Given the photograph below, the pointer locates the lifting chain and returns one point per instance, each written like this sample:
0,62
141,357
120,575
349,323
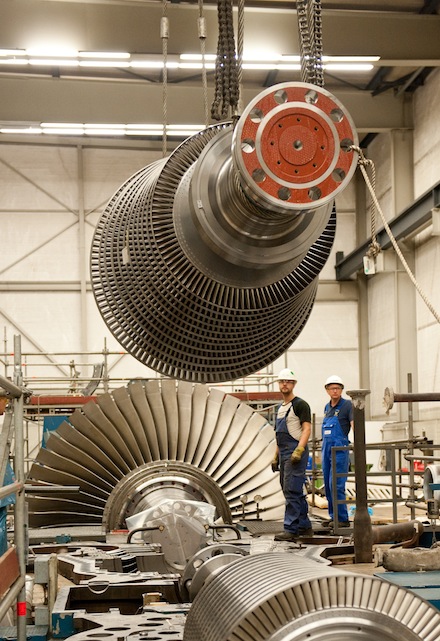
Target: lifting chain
310,41
226,94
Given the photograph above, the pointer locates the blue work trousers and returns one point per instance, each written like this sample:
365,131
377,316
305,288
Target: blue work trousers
332,435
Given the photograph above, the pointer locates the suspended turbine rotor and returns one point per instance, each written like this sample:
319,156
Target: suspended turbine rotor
205,264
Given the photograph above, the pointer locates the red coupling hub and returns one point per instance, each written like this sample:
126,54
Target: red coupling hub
293,147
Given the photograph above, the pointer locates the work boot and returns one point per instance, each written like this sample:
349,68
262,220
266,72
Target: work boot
305,531
340,524
286,536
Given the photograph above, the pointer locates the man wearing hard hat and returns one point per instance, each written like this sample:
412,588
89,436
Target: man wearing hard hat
292,429
337,422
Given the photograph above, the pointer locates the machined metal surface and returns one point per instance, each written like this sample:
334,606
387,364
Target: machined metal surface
117,612
204,265
163,623
152,440
211,557
282,597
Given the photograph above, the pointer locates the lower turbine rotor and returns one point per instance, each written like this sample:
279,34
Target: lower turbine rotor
139,444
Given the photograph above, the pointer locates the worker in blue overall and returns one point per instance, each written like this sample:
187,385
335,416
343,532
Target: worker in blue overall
292,430
336,425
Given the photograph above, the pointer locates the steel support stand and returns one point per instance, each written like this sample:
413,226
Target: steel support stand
362,529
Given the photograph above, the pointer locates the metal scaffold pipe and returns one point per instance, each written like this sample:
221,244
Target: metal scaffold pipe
391,397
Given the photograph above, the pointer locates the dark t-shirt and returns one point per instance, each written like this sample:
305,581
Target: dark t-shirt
344,411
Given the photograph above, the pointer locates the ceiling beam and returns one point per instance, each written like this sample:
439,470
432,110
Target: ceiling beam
32,100
408,222
135,27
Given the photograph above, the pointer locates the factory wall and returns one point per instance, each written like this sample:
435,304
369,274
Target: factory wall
404,334
51,200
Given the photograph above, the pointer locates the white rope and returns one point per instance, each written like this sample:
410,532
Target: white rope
362,163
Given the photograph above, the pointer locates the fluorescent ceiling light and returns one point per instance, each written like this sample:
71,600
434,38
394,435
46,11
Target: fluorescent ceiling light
197,56
104,63
64,131
350,58
12,52
193,127
48,125
104,54
183,132
20,130
101,129
104,132
196,65
268,66
140,127
13,61
341,66
114,59
42,52
54,62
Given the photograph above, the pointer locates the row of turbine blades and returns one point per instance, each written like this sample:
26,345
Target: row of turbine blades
147,422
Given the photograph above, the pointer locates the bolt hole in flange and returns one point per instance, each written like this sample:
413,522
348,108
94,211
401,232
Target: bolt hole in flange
284,193
314,193
311,97
248,145
280,97
337,115
346,144
256,115
338,174
258,175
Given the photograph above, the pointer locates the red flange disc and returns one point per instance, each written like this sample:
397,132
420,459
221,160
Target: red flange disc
292,146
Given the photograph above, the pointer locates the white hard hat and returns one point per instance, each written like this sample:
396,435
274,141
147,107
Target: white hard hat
286,374
336,380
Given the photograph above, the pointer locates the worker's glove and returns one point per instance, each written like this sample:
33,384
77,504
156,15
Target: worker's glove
275,464
295,457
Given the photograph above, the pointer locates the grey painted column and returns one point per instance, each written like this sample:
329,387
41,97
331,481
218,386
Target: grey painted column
362,529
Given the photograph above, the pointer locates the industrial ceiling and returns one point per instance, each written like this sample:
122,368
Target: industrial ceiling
405,35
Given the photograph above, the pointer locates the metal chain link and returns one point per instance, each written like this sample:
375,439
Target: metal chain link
310,41
226,80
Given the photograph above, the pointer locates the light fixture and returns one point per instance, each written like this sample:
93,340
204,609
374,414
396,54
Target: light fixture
104,63
53,62
251,61
124,55
101,129
347,66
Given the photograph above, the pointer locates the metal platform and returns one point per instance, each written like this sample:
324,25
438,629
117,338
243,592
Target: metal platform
255,527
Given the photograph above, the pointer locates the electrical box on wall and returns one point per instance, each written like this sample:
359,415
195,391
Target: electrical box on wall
385,261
